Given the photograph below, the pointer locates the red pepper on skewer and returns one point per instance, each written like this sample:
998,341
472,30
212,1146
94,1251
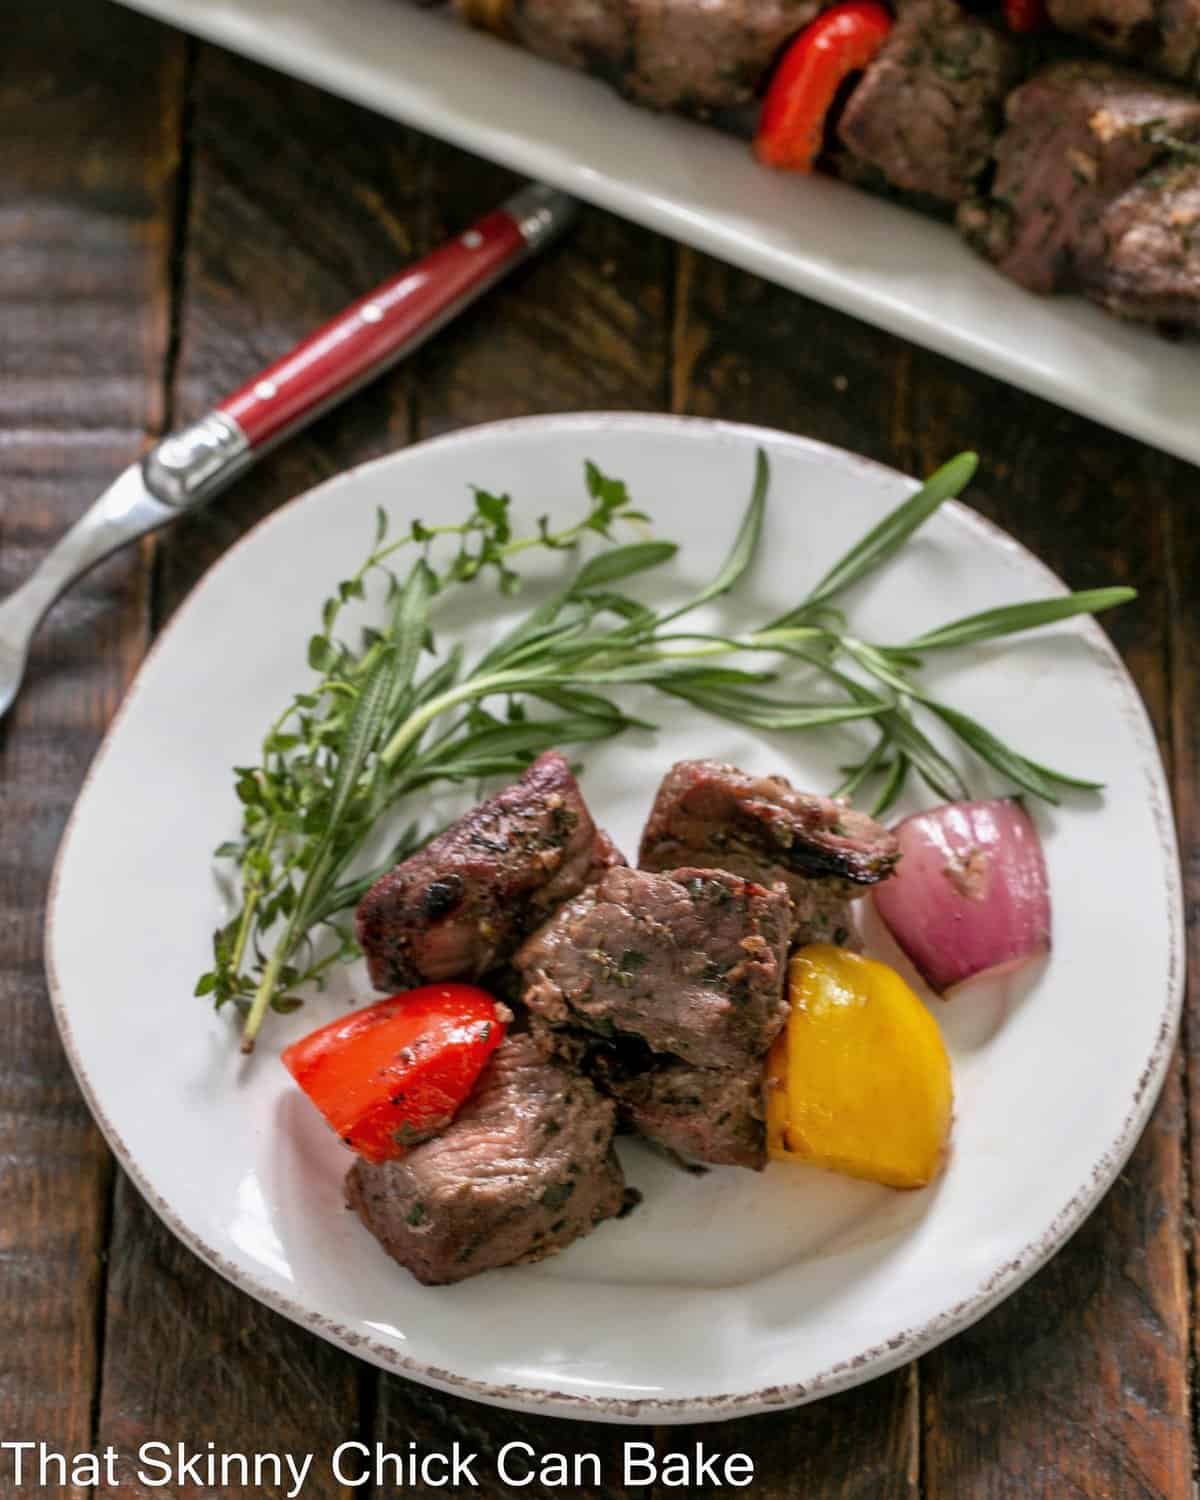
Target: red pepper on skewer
841,41
1026,16
396,1072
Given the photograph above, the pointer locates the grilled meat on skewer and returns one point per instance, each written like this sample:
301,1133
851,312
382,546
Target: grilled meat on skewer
1078,137
691,962
712,55
760,827
929,107
695,56
1149,266
525,1168
591,35
1161,35
461,905
713,1115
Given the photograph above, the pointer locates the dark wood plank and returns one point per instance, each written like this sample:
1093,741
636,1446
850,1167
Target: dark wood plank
90,126
583,328
1079,1384
748,351
297,204
1183,598
827,1451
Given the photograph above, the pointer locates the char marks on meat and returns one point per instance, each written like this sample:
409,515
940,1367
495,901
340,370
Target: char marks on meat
692,962
461,905
1149,264
1162,35
526,1167
930,105
1078,136
699,57
710,814
714,1115
592,35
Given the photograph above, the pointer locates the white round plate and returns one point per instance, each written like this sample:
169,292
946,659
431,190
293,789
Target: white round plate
729,1293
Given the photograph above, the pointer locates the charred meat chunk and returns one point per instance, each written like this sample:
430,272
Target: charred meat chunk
713,815
698,58
931,104
701,55
1079,135
713,1115
461,905
591,35
526,1167
692,962
1149,264
1162,35
823,912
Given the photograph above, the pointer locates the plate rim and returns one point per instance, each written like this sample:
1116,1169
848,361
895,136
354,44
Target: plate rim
869,1363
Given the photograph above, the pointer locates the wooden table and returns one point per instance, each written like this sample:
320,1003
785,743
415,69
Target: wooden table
171,218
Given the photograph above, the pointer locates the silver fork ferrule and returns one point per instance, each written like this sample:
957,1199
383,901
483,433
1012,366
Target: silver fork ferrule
191,465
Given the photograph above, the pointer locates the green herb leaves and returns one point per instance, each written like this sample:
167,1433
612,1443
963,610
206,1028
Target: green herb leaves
1012,618
390,716
886,539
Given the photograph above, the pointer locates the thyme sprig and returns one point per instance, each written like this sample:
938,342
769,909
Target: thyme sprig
374,728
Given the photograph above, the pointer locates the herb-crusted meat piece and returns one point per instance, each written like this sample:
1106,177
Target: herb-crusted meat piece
591,35
701,55
931,104
1079,135
526,1167
696,56
461,905
707,808
1149,266
712,815
692,962
714,1115
1162,35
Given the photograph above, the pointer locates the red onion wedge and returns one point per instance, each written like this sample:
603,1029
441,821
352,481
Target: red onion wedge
970,895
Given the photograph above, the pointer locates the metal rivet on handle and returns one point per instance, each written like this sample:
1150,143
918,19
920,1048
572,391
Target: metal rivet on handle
472,239
372,313
266,389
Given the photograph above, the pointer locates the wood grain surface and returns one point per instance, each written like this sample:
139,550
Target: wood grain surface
86,215
171,218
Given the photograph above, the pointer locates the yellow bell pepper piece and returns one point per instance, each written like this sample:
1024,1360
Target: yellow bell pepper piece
859,1080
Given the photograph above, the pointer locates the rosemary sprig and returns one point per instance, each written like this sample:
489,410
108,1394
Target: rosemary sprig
374,729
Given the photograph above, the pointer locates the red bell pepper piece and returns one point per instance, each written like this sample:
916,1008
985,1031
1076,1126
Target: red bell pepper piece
398,1071
1026,16
841,41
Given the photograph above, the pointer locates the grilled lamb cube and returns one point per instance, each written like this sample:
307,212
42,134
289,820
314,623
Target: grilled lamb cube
1162,35
714,1115
712,815
1150,265
526,1167
1079,134
699,57
670,54
930,105
692,962
461,905
592,35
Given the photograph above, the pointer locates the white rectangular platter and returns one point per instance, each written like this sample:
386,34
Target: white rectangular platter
871,259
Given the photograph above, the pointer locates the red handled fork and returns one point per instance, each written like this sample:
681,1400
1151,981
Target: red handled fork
192,465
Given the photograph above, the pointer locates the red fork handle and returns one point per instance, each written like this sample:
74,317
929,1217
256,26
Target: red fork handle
370,335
